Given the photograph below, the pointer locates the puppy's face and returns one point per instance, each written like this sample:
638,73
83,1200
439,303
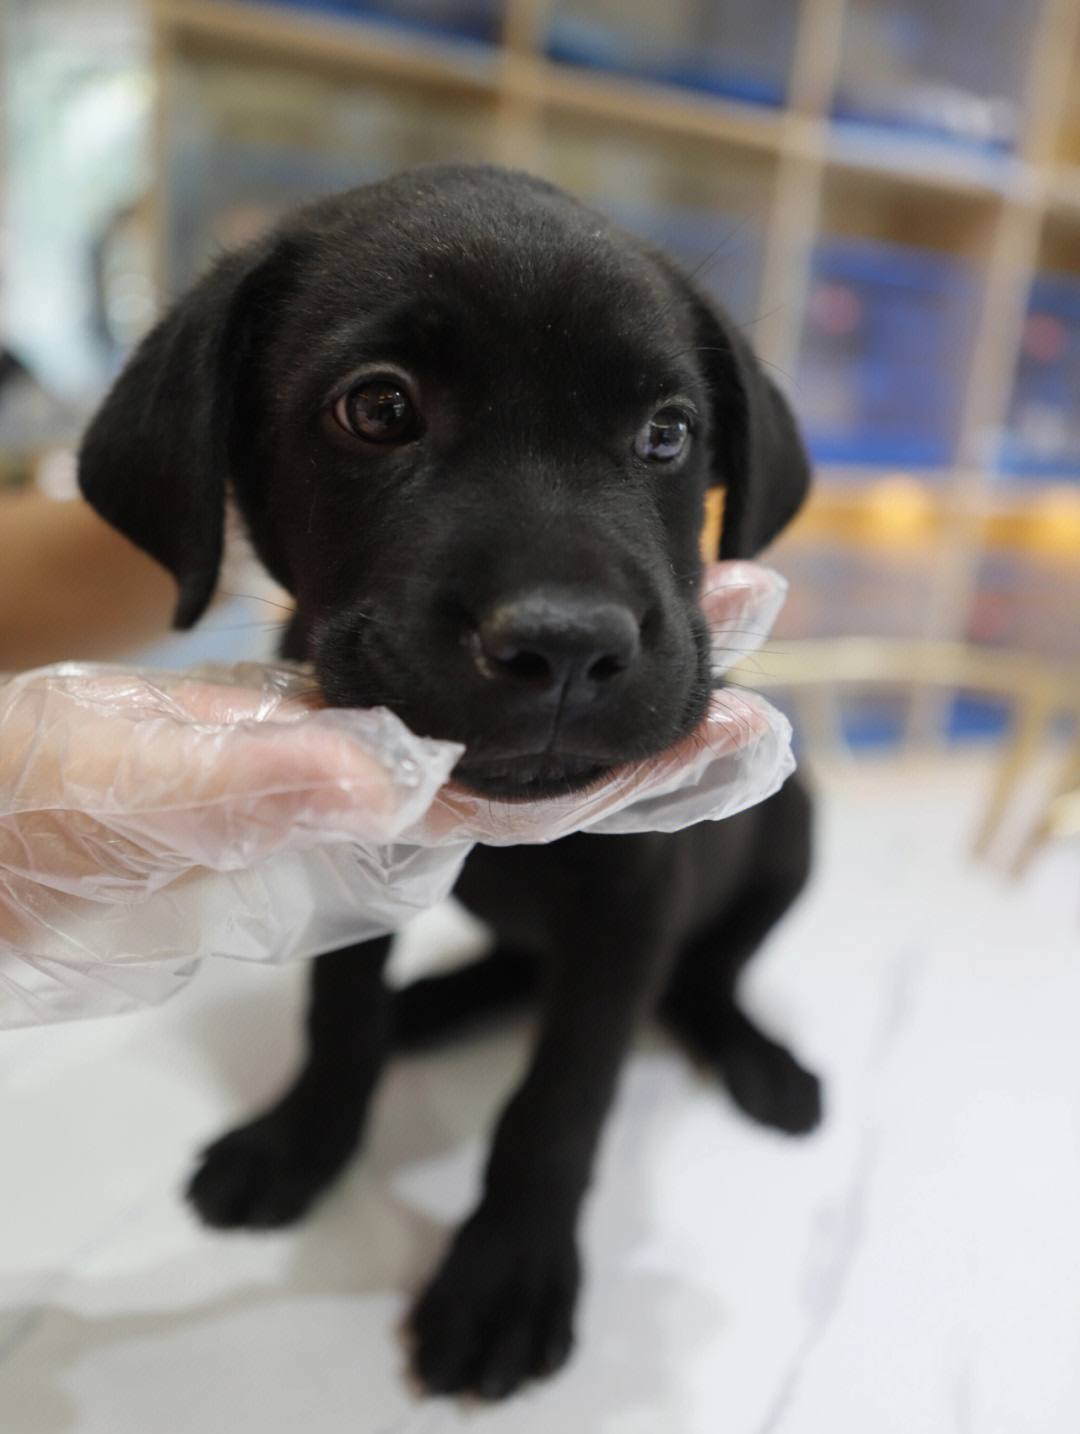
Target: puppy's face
484,482
471,428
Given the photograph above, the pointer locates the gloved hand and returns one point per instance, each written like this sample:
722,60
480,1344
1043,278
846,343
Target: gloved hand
149,820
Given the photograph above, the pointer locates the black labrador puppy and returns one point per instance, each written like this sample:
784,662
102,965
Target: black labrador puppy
470,426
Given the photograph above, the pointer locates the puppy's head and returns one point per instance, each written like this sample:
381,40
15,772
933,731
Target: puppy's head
470,425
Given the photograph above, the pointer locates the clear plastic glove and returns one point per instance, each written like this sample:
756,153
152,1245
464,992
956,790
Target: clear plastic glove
147,819
150,820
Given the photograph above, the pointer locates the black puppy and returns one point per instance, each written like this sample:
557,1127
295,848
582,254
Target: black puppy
470,425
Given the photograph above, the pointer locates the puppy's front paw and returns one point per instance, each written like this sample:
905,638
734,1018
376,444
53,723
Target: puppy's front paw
769,1084
500,1310
267,1173
252,1178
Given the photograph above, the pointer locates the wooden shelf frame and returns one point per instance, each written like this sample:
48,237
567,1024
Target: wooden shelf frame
526,89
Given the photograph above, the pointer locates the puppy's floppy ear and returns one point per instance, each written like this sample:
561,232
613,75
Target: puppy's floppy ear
758,457
155,457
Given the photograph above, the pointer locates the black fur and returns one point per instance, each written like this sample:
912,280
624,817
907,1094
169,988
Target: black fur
516,568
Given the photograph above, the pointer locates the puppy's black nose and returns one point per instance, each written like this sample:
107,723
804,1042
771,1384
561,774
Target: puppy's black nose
555,638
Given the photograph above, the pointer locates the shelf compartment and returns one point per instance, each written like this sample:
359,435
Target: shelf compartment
843,589
347,45
948,72
1042,429
742,49
887,331
477,20
1027,600
708,211
258,141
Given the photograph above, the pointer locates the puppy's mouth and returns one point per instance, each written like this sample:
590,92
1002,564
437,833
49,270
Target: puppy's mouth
529,777
520,745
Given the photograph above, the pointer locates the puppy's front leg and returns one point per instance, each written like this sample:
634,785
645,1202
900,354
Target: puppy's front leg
269,1171
500,1310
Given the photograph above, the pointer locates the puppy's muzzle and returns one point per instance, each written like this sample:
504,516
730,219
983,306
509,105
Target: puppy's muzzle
557,641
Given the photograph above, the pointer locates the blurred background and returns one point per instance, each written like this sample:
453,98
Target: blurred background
886,195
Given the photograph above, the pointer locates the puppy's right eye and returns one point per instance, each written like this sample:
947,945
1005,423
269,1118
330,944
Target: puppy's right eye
379,410
666,436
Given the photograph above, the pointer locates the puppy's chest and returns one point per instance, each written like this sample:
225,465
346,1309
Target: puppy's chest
533,896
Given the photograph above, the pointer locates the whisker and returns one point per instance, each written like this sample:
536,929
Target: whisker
254,626
257,597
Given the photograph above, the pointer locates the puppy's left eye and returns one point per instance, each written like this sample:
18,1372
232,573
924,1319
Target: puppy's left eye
379,410
665,437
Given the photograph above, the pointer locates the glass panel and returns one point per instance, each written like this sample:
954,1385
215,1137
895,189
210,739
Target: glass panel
890,321
741,48
1028,600
952,70
247,143
1042,428
465,19
881,372
706,205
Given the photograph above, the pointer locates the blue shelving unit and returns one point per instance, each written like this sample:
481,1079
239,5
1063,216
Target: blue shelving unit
1042,430
740,50
950,72
476,20
884,353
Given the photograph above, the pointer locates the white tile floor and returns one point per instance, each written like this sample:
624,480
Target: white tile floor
915,1266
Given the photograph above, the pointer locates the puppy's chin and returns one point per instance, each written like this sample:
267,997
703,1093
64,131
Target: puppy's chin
528,778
